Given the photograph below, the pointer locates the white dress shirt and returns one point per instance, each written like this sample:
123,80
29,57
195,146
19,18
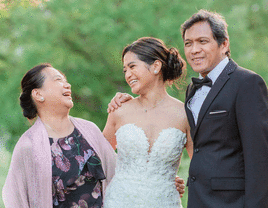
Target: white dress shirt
195,103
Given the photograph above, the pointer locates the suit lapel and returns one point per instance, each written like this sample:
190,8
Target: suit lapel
216,88
190,117
189,94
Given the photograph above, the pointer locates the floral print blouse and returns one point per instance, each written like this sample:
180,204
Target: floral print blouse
76,173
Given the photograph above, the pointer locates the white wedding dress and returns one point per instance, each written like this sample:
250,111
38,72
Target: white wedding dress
145,179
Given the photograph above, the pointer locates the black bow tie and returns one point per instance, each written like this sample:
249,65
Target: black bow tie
198,83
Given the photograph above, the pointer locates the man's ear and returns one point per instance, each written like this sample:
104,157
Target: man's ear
225,46
37,96
157,65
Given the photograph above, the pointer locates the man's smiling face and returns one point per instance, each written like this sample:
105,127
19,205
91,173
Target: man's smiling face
201,49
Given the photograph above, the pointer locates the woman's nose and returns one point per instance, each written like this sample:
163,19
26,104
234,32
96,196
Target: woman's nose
67,85
128,74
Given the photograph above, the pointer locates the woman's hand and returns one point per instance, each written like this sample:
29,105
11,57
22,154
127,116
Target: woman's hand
117,101
179,182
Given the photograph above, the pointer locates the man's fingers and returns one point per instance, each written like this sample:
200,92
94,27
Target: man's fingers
179,180
110,108
117,101
118,94
114,104
181,190
125,97
180,187
121,98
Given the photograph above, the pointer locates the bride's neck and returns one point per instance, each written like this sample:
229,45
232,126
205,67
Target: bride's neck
153,97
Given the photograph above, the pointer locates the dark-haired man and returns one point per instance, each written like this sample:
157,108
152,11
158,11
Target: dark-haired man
227,109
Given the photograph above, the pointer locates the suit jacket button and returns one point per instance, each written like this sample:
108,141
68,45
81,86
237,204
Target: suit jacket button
196,150
193,178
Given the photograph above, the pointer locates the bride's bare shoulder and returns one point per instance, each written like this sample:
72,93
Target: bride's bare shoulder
176,103
178,108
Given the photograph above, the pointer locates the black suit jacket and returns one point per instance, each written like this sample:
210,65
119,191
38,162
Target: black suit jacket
229,168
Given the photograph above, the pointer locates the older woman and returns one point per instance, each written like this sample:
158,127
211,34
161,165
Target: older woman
60,161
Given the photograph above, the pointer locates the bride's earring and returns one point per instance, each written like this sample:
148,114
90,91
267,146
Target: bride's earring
42,99
155,71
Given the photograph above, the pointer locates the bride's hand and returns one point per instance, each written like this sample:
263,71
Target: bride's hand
179,182
117,101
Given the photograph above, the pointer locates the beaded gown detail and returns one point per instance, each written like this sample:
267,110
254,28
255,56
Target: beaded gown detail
145,179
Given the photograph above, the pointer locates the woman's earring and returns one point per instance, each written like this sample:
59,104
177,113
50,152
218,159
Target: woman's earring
42,99
155,71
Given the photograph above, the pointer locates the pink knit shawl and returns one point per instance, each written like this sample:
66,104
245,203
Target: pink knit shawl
29,180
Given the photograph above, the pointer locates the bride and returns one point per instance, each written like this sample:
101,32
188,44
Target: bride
150,130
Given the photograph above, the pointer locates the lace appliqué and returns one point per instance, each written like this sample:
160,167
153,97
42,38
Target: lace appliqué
145,179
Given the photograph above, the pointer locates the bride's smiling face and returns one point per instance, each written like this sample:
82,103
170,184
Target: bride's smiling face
138,74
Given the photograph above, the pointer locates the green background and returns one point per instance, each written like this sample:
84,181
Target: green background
85,38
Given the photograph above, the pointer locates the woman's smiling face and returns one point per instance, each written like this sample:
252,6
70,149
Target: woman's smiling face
137,73
56,90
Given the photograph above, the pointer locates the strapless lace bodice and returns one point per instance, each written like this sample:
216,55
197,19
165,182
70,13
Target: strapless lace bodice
145,179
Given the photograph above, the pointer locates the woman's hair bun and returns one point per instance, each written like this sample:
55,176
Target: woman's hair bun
27,105
175,65
33,79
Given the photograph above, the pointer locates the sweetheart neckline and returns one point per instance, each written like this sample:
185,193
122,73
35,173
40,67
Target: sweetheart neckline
147,139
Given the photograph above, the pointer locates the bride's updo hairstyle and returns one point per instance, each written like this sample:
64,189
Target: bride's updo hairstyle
149,49
33,79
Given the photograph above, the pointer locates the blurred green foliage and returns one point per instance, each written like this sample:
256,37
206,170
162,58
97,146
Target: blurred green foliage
84,39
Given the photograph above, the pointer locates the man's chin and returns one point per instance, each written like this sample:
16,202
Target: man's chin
198,69
201,70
